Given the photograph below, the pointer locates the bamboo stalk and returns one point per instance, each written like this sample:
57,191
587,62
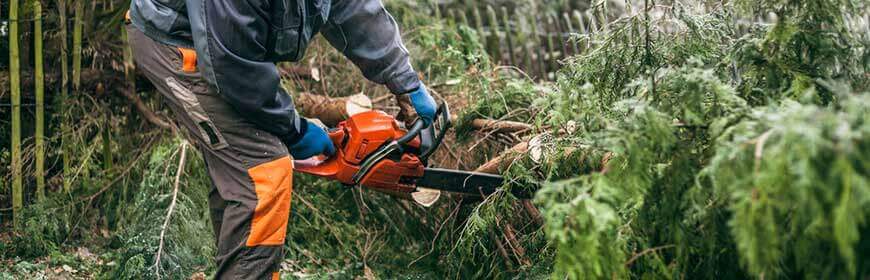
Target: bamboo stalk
40,102
77,45
107,142
78,23
64,94
15,91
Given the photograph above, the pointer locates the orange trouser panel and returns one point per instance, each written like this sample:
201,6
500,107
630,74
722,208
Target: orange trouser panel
276,276
188,60
273,183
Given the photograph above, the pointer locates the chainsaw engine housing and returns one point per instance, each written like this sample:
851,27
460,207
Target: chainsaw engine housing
360,137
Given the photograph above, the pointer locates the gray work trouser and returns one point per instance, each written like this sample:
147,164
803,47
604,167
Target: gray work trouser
251,170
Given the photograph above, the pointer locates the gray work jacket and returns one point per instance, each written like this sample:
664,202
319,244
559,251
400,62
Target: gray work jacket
238,42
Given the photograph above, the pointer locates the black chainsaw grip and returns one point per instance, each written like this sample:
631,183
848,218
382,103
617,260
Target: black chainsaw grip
412,133
444,113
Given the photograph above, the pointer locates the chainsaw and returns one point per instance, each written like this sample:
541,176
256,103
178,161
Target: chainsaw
374,152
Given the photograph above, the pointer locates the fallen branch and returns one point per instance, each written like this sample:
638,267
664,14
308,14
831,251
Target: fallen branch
496,164
163,229
512,241
502,251
146,112
644,252
500,126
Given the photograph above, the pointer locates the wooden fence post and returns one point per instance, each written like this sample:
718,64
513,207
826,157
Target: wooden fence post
571,30
507,32
560,31
582,27
539,48
478,25
551,48
436,8
593,24
15,95
463,18
493,37
523,40
40,102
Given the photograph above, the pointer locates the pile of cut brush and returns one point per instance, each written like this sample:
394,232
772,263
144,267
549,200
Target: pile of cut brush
681,143
680,146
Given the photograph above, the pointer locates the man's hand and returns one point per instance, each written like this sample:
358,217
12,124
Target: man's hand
314,142
417,103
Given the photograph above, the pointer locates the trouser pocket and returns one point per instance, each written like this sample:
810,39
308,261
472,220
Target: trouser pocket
191,105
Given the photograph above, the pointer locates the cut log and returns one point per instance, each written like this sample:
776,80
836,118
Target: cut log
496,164
500,126
331,110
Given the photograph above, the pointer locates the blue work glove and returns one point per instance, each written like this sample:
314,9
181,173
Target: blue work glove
417,103
314,142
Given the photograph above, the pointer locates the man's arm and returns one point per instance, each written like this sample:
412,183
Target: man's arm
368,35
230,38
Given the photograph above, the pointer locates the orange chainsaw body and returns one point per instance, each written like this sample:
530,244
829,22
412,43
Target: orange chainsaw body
355,140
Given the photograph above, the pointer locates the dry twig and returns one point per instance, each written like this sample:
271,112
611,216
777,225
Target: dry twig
163,229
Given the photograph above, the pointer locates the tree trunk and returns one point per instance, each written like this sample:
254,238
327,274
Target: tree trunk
40,102
15,95
64,94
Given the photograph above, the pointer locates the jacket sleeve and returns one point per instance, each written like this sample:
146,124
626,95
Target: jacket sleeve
230,38
368,35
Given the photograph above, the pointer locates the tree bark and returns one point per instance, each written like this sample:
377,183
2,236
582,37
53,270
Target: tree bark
40,102
331,110
500,126
15,95
496,164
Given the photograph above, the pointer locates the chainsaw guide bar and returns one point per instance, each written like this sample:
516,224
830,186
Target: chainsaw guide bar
375,152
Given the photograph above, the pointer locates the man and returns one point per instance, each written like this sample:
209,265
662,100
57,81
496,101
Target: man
213,60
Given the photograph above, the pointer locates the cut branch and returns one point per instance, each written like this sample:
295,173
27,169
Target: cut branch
496,164
163,229
146,112
500,126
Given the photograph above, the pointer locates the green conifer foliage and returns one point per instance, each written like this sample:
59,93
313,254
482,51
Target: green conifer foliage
795,179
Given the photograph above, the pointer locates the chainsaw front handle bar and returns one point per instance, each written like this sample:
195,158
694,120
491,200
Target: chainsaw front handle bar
443,111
